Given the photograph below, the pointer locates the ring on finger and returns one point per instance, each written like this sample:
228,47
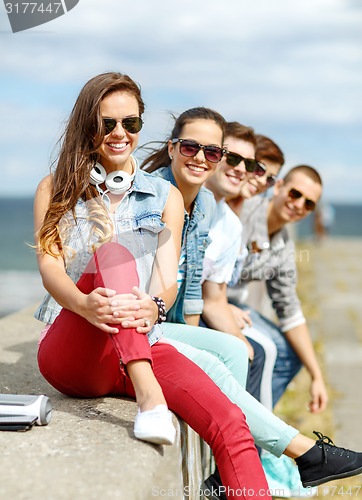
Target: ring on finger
147,322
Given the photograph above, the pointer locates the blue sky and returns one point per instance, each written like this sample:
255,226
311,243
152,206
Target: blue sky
292,70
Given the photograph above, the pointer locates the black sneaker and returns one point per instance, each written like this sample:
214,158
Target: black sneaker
212,488
325,462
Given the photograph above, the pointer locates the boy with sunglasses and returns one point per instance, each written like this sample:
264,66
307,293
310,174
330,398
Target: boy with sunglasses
239,175
249,167
272,259
236,167
270,160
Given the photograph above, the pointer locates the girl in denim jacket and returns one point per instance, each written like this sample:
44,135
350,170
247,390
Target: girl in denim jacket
109,264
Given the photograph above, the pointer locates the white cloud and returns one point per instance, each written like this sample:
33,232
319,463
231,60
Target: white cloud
21,124
272,50
274,65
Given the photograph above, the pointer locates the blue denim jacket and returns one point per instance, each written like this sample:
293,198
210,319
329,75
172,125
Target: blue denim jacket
138,224
195,237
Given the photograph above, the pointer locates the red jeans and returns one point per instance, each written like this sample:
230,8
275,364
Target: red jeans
80,360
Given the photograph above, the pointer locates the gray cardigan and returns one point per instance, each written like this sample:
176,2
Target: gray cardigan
272,260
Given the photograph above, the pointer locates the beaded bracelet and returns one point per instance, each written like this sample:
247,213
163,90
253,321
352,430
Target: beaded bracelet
161,309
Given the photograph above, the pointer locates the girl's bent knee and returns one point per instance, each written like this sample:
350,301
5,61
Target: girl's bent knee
236,348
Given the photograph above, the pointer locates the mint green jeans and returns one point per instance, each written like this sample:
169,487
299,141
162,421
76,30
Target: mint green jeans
224,359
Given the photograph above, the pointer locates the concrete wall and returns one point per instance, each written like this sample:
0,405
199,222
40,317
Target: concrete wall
88,450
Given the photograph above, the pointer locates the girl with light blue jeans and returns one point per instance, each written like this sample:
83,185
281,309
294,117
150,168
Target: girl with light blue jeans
187,160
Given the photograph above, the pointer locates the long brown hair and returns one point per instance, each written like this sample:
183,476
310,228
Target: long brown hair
159,157
84,133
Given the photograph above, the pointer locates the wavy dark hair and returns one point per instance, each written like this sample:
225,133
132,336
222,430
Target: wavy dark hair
84,133
159,157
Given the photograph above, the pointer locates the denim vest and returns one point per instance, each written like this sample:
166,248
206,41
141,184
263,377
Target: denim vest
138,224
195,238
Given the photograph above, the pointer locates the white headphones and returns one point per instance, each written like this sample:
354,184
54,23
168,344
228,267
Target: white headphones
117,182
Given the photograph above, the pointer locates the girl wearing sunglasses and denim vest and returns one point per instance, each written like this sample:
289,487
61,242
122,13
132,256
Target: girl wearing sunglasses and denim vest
108,248
187,160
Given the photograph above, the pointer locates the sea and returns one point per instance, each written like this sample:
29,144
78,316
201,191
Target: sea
20,282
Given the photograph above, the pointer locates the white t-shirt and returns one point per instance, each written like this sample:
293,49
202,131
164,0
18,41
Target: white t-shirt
226,245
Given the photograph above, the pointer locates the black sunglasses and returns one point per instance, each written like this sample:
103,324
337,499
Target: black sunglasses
294,194
132,124
270,180
191,148
251,165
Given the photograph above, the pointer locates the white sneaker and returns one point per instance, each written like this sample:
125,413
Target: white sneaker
155,425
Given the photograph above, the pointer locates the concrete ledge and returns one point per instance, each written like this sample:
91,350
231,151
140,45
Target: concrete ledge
88,450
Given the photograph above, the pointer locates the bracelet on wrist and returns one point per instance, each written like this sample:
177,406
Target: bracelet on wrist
161,309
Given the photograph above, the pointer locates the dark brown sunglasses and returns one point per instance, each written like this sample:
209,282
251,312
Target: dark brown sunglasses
132,124
294,194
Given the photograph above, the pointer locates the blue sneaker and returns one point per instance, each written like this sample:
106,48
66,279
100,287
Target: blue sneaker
283,477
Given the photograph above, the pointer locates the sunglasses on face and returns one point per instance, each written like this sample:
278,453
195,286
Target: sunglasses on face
270,180
294,194
251,165
191,148
132,124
